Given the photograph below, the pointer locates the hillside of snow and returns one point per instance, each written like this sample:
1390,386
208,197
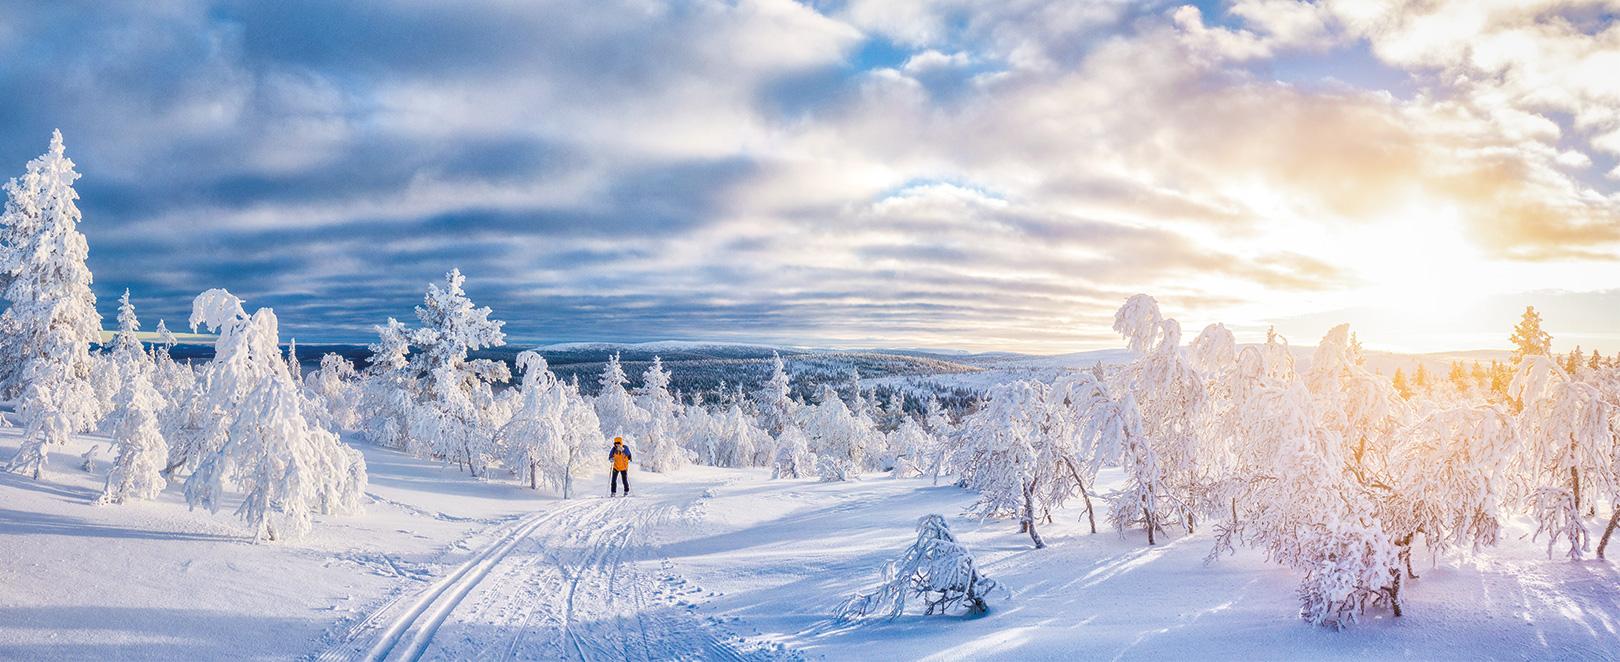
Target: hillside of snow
704,563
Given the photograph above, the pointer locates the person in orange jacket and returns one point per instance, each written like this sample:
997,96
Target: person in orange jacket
620,457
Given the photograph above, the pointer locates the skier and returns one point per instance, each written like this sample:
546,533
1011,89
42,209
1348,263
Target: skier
620,457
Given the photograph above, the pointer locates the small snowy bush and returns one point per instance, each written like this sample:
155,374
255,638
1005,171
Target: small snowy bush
936,569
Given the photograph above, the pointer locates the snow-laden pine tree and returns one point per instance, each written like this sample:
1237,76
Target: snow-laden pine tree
618,412
388,388
776,406
334,392
165,337
659,449
1570,449
913,449
241,360
1528,338
793,458
700,433
294,367
838,438
936,569
454,418
140,452
285,466
740,439
52,321
554,435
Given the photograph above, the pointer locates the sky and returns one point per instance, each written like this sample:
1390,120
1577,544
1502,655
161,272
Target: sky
856,173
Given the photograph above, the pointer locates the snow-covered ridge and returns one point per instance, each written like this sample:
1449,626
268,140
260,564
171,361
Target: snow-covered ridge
660,346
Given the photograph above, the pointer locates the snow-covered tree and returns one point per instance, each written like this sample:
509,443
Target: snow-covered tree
740,439
138,444
776,406
838,438
45,335
285,466
552,434
659,449
793,457
936,569
941,432
1448,479
1528,338
1034,446
1170,395
294,368
617,411
165,337
334,390
388,392
453,417
913,449
141,452
1571,452
1361,409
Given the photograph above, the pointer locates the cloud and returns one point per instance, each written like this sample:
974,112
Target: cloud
996,175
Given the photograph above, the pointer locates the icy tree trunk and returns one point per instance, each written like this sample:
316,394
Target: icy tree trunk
1614,520
534,483
1085,494
1575,481
1029,515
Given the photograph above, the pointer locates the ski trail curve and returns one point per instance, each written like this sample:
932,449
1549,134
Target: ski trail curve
427,609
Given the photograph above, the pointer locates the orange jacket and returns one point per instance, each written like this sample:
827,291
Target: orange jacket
621,458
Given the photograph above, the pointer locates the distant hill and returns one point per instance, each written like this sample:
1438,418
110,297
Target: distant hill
710,367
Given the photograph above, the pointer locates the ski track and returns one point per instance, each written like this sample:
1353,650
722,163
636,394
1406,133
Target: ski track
570,582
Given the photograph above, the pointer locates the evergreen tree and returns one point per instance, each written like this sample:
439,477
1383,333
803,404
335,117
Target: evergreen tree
1401,386
285,466
455,413
47,331
1528,339
1458,377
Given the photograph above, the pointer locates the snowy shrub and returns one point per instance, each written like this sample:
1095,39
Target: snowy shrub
936,570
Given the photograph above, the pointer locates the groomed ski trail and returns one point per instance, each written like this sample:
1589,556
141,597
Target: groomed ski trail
571,582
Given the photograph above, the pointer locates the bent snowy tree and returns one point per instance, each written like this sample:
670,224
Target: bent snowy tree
936,570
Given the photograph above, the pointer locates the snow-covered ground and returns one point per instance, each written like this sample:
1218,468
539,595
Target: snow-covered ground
701,564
